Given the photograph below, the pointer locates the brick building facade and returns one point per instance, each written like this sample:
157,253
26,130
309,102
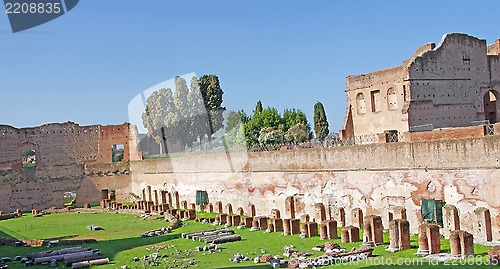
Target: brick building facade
453,84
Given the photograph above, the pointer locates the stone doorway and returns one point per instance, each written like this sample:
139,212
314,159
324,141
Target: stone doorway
490,106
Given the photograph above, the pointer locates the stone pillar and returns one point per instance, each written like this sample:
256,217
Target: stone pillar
270,227
149,205
184,204
451,220
374,230
143,195
176,199
331,229
163,195
240,211
350,234
251,210
229,220
164,207
246,221
229,208
423,241
286,227
320,212
494,255
340,216
433,239
275,213
310,229
104,194
170,199
156,198
455,247
466,244
277,224
290,207
149,194
323,231
236,220
191,214
218,207
209,207
221,218
294,226
399,233
262,222
357,217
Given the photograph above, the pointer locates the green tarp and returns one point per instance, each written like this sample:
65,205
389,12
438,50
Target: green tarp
201,197
432,210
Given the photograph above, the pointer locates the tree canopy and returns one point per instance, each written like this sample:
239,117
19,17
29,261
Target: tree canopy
186,115
320,121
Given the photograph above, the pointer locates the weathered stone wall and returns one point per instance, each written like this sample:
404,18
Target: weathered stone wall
66,155
445,82
443,86
375,178
55,144
376,101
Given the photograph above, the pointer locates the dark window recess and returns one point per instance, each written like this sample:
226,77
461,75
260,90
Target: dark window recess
466,59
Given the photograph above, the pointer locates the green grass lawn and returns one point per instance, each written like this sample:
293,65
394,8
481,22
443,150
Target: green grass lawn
121,242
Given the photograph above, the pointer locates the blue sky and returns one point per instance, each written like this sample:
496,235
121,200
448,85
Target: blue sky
87,65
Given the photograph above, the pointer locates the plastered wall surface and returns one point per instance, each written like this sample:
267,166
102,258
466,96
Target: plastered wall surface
375,178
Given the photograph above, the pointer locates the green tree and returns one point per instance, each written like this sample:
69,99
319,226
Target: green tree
298,133
320,121
235,130
293,117
182,130
160,116
212,98
199,118
267,118
269,135
258,107
234,119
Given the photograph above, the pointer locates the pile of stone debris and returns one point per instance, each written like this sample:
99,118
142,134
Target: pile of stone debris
156,232
74,257
213,236
334,254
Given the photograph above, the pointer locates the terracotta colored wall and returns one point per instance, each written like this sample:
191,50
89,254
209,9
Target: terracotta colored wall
443,134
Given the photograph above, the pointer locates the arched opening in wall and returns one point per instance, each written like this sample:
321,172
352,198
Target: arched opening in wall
360,103
391,99
69,198
490,106
483,224
117,152
28,158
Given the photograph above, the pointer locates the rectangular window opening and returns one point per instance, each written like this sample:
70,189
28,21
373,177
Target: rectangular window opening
29,158
375,98
117,153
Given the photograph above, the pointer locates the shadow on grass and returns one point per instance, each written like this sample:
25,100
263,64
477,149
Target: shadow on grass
265,265
112,247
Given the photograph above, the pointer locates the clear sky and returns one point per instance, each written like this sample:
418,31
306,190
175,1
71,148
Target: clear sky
87,65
